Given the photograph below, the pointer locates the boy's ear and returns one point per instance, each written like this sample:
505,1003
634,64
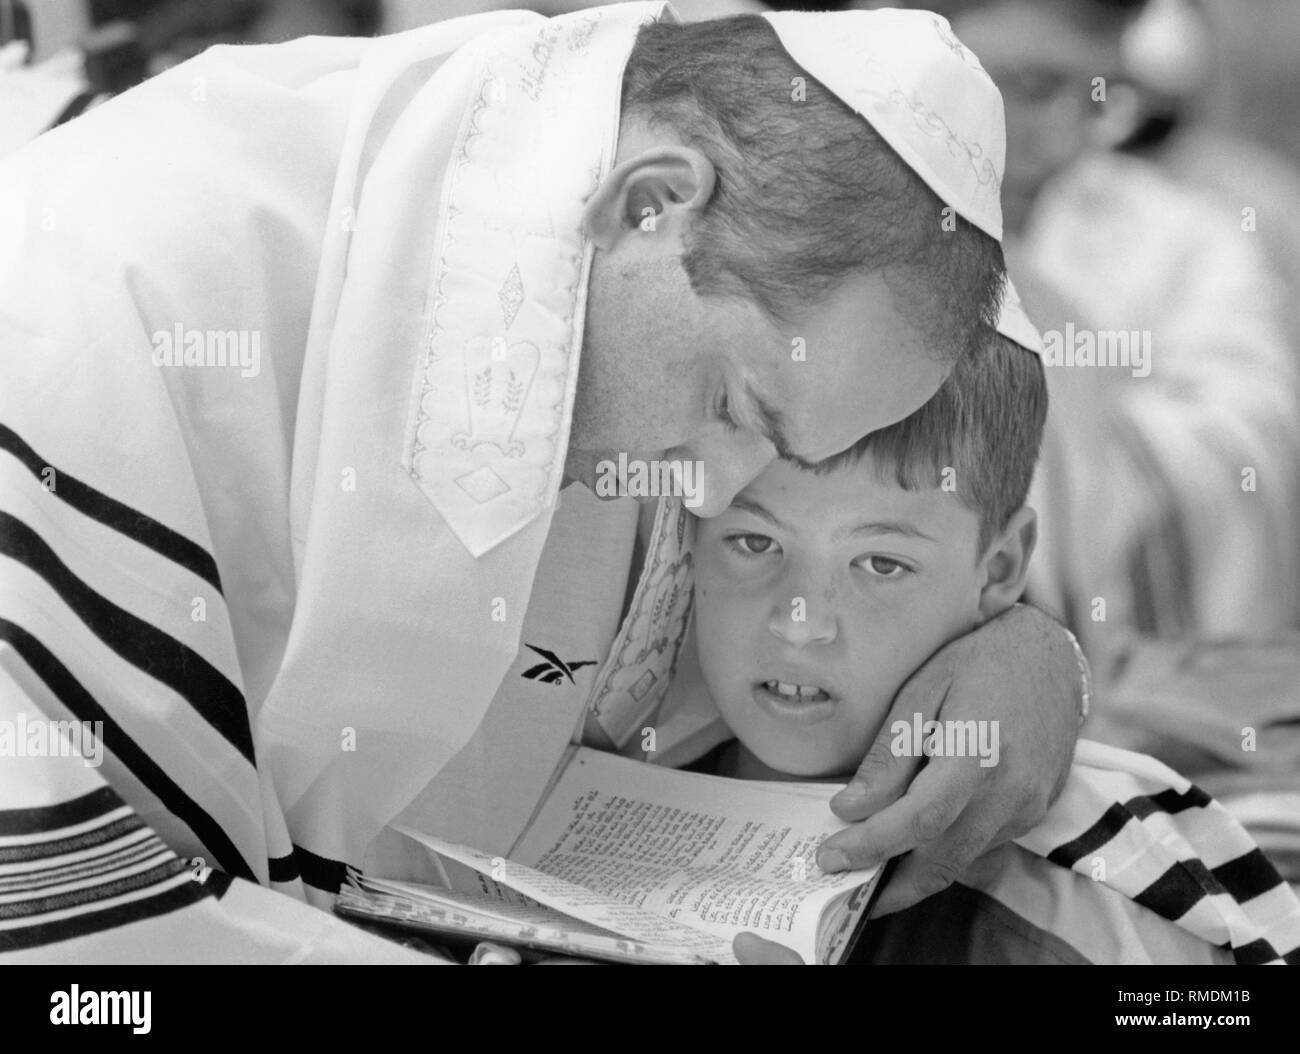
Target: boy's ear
1006,563
657,193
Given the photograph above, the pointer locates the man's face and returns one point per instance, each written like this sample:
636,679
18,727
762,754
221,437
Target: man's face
668,374
816,597
1044,65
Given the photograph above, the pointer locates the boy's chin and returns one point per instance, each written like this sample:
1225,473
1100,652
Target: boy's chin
796,761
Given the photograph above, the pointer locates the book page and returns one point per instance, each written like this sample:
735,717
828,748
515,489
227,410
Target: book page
481,917
719,855
582,903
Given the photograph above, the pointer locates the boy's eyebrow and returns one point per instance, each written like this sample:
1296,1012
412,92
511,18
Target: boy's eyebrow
890,527
902,527
754,508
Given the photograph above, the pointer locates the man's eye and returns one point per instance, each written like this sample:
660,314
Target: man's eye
723,412
752,544
884,567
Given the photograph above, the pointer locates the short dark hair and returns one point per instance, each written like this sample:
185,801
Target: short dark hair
807,192
985,422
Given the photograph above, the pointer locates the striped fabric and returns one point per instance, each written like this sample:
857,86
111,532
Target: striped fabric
1134,825
84,865
64,550
83,879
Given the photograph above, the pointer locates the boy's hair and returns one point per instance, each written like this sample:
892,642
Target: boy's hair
807,192
985,422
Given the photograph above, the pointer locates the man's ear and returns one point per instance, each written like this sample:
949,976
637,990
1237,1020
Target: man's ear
1006,563
656,192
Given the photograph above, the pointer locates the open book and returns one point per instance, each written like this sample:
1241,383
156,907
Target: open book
630,862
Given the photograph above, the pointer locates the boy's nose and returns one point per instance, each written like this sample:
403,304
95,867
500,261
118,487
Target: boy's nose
802,621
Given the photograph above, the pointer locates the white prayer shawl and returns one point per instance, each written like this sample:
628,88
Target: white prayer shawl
309,565
287,594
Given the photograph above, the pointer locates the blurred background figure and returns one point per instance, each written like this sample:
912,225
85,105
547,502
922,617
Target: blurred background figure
1141,197
1168,488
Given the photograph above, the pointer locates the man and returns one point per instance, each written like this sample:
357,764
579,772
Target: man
283,441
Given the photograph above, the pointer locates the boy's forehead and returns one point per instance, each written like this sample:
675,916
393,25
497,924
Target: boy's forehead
839,501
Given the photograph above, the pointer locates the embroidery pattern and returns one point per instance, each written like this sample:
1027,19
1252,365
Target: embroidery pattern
644,656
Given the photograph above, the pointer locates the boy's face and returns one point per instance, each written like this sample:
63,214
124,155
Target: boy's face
835,588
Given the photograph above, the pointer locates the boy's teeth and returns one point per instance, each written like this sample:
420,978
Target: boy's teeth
804,691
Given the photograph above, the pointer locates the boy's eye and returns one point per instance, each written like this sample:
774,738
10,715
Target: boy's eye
752,544
885,567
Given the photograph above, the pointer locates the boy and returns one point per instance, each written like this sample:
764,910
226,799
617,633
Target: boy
818,593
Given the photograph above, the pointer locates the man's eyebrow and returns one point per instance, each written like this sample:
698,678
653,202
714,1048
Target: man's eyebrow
890,527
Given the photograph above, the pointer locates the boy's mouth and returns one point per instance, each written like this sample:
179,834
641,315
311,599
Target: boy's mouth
800,693
804,704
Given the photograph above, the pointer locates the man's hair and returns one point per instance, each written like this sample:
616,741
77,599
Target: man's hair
985,423
807,192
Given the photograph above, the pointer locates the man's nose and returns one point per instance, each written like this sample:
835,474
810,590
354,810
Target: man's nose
803,613
725,470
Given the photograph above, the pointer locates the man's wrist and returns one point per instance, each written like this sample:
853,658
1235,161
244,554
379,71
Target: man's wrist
1085,671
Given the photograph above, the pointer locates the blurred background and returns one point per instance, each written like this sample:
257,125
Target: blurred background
1152,190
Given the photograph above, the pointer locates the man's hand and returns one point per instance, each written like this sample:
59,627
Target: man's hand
1018,670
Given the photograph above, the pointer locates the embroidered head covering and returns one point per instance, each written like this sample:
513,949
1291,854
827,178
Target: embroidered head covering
929,98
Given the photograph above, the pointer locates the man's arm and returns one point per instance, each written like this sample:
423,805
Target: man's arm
1024,671
1021,670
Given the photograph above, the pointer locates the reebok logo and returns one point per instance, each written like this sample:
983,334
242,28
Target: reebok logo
554,669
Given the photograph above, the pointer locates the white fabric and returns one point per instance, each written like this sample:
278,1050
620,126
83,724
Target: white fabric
929,98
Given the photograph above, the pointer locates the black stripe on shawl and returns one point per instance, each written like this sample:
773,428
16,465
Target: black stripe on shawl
180,896
112,513
1111,823
69,691
1169,801
76,898
320,871
284,868
26,882
1258,952
81,842
1248,876
146,647
63,814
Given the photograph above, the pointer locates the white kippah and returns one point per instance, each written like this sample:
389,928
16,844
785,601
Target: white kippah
928,97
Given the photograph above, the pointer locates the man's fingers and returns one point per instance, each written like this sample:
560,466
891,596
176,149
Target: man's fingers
936,798
753,950
933,868
883,777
